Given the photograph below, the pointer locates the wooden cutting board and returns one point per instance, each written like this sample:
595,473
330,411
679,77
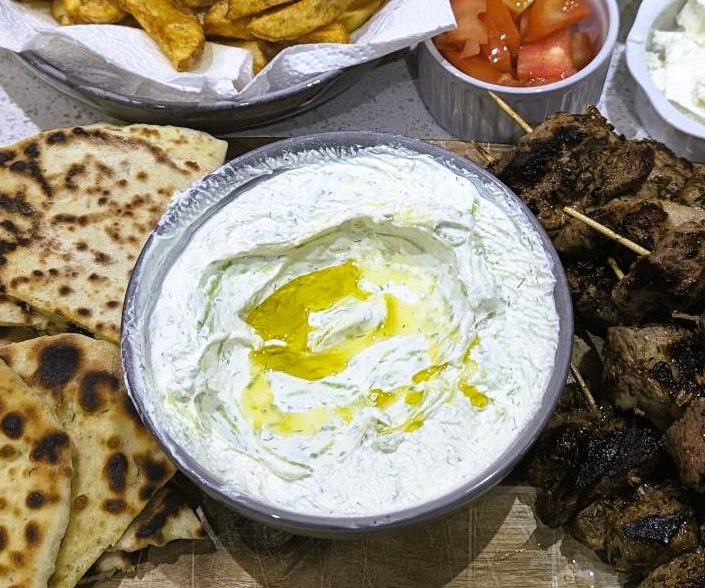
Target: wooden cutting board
495,542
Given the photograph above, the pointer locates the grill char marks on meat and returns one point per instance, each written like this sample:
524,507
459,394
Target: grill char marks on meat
643,221
637,533
573,160
669,174
685,571
583,457
685,441
591,284
657,369
671,278
693,193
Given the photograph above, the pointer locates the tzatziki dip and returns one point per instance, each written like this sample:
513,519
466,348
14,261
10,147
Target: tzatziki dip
360,332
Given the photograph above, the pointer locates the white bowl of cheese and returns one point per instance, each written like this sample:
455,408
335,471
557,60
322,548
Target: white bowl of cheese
665,55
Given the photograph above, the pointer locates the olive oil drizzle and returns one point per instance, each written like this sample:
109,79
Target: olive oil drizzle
282,320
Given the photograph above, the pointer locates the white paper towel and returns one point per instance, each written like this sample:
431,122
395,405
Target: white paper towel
125,59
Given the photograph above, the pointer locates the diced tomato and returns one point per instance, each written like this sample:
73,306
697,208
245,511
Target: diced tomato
524,23
479,68
470,32
499,15
496,51
545,61
548,16
517,6
581,50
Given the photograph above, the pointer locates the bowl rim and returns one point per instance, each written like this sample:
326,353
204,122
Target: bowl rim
603,55
33,60
337,526
636,45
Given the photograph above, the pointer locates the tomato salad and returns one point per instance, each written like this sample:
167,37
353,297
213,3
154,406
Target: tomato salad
518,42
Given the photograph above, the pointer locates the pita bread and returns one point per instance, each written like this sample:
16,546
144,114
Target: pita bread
35,484
118,465
76,207
109,564
13,314
166,518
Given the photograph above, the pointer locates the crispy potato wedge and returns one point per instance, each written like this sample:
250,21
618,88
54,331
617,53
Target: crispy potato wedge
217,24
93,11
257,48
358,14
332,33
59,12
241,8
292,21
175,29
197,3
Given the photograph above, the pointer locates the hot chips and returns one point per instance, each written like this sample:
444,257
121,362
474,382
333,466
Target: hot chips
358,14
217,23
265,27
177,31
93,11
297,19
241,8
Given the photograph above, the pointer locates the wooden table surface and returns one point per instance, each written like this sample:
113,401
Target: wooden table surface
495,542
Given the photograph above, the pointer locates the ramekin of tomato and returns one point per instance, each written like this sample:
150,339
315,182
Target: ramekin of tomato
540,55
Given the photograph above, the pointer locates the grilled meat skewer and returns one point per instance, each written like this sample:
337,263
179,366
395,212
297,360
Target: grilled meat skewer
636,534
657,369
685,571
685,441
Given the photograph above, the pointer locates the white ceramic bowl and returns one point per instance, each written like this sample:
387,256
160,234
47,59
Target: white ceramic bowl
663,120
462,105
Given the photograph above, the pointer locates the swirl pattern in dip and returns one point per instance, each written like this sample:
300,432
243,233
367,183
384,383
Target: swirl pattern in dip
356,334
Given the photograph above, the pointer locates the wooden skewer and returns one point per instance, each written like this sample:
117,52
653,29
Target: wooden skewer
685,317
615,267
584,389
600,228
482,151
511,112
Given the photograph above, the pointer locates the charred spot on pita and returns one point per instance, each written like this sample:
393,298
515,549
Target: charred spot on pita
116,472
80,502
6,156
146,492
3,538
156,471
58,363
114,506
49,447
35,499
12,425
58,137
7,451
32,534
155,525
82,311
89,395
32,150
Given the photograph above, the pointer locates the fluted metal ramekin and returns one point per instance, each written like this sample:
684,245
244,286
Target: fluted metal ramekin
462,105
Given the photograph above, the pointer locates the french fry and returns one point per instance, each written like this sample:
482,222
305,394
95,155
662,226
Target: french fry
295,20
93,11
332,33
358,14
58,11
259,57
241,8
217,24
176,30
197,3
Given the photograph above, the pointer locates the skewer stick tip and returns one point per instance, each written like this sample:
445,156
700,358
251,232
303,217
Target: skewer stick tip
615,267
584,389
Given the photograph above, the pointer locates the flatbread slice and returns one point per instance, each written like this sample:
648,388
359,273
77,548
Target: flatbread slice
109,564
14,314
35,484
168,517
118,464
76,207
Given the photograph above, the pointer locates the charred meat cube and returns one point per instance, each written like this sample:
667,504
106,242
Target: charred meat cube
591,284
685,571
685,441
657,369
582,457
693,193
637,533
672,277
573,159
668,176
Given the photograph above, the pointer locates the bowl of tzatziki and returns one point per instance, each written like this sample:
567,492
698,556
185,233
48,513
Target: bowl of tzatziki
347,333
